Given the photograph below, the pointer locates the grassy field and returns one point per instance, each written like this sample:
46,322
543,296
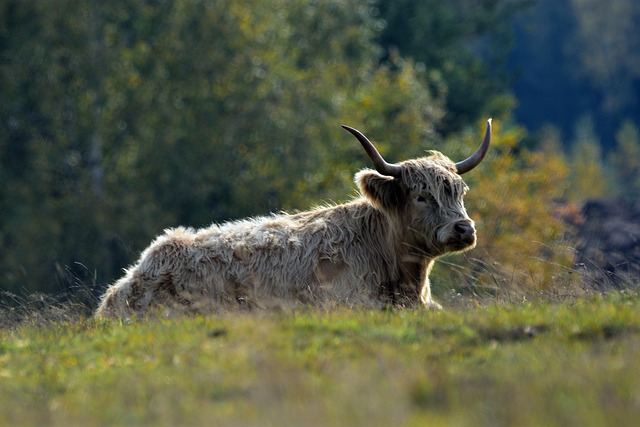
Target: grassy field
547,363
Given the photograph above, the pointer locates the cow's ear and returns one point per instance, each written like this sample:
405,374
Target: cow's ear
382,191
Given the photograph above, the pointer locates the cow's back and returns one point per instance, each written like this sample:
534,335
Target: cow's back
331,254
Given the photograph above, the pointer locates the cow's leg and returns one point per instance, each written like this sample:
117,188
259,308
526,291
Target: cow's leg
425,297
425,291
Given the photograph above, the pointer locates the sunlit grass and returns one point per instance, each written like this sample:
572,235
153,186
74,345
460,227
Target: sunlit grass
543,363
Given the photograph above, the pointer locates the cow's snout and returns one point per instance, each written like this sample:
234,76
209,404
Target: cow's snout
465,231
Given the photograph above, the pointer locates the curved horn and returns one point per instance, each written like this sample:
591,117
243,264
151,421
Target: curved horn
475,159
384,168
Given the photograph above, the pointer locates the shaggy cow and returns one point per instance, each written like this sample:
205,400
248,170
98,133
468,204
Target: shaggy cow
373,251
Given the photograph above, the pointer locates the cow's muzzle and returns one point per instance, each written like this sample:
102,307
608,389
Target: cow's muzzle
463,234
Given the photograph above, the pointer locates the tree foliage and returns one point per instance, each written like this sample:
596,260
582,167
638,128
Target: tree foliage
625,162
119,120
577,58
463,45
587,178
612,60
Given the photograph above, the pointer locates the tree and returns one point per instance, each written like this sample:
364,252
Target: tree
463,46
49,76
121,120
625,162
576,58
587,178
610,57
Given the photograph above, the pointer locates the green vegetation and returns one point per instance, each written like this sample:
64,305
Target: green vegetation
121,120
463,45
118,121
578,58
571,362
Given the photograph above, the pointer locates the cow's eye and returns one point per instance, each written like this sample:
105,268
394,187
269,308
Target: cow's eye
447,189
422,199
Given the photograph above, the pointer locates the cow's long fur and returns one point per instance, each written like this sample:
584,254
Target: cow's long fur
372,251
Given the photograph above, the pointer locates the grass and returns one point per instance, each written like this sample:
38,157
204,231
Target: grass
545,363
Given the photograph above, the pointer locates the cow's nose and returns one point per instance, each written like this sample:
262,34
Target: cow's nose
465,230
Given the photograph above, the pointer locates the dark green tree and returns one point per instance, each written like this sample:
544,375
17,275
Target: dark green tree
464,47
625,162
121,119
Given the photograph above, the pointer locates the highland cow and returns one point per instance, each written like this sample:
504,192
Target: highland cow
376,250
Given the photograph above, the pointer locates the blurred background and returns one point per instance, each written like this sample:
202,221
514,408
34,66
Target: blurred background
120,119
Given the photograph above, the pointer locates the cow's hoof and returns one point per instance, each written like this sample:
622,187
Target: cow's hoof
432,305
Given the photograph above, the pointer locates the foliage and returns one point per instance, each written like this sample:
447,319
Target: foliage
625,162
463,46
120,120
594,174
576,58
587,178
464,366
611,61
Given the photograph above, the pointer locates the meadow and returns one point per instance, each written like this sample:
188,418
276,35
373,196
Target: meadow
546,362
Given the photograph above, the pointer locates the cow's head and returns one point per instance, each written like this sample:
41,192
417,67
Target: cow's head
423,197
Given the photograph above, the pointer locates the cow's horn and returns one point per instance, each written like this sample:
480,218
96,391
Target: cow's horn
473,161
379,163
